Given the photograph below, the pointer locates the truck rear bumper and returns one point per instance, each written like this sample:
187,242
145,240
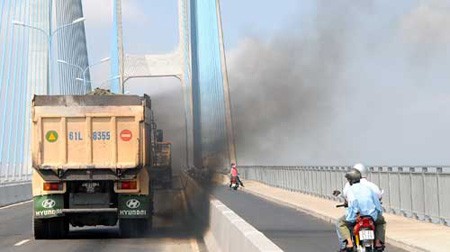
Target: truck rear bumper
88,174
89,210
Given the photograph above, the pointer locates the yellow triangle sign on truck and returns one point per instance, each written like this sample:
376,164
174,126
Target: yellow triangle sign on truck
51,136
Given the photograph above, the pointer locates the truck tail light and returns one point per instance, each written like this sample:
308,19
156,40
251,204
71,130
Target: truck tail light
127,185
53,186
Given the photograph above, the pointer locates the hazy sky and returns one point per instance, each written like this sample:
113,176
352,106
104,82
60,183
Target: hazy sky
332,82
151,25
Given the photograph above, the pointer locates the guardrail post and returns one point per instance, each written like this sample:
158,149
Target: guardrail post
405,192
310,180
439,172
425,208
444,188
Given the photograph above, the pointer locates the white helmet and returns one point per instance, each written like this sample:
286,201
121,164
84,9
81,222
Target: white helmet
362,169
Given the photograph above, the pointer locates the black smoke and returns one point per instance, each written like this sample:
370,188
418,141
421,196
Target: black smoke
355,81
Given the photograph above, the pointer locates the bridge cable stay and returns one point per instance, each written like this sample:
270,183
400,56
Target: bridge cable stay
25,62
6,67
37,74
26,108
27,86
35,83
17,83
72,49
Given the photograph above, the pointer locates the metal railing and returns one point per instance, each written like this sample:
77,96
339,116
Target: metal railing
416,192
14,173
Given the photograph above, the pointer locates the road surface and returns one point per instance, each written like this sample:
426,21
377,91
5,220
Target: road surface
288,228
172,232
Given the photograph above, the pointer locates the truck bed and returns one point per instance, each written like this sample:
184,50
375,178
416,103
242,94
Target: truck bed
90,132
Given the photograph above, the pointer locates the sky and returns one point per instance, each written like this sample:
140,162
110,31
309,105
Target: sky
158,18
332,83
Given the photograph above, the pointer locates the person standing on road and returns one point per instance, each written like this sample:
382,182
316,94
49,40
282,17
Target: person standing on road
234,173
381,222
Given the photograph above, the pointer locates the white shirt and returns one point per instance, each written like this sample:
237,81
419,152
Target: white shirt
363,181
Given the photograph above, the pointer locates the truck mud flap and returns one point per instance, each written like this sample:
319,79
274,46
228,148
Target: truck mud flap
48,206
135,206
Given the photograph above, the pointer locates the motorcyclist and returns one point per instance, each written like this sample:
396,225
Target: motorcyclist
362,199
235,174
379,242
364,172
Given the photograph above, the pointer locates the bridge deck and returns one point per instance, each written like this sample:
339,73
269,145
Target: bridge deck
172,231
290,229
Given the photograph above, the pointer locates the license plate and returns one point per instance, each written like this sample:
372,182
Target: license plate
366,235
90,186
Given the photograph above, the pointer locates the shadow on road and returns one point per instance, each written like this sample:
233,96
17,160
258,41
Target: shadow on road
173,219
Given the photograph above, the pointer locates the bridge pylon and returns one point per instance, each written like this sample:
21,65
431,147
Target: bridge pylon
198,61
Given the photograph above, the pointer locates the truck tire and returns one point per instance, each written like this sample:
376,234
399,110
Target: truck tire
40,229
56,228
167,184
131,228
149,223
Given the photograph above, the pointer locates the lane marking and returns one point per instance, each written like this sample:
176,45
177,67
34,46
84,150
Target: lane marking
17,204
21,242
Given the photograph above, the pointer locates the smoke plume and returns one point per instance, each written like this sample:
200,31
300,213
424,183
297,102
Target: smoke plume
368,81
168,109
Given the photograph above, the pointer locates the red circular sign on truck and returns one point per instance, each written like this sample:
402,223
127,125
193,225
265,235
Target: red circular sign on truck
126,135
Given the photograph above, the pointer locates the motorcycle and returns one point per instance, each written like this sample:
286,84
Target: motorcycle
234,183
362,231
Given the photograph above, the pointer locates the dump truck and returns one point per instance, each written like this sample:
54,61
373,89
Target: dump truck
162,165
92,157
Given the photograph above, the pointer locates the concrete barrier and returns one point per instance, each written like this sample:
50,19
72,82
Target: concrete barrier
232,233
226,230
14,193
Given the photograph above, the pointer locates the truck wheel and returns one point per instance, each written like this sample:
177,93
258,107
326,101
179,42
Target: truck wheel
133,227
56,228
40,229
167,185
66,227
149,224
